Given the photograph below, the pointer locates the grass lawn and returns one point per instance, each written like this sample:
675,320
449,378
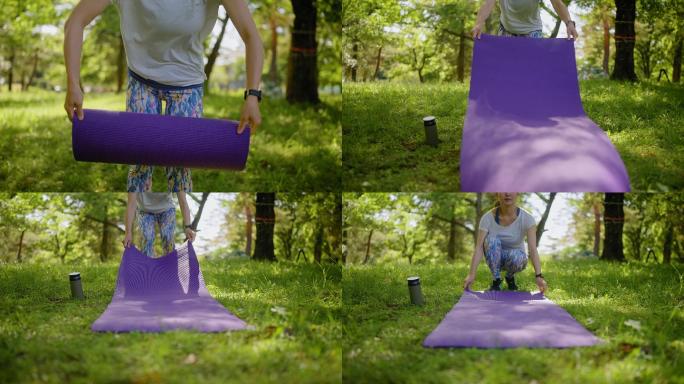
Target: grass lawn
297,148
45,335
383,332
383,133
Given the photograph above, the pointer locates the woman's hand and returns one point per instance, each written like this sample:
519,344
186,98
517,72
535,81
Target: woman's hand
541,283
572,31
74,101
128,240
468,281
477,30
250,115
189,234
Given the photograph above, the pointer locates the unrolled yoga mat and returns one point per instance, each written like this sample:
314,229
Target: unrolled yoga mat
508,319
525,128
162,294
152,139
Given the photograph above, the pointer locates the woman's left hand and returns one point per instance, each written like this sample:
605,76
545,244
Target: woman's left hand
190,234
541,283
250,115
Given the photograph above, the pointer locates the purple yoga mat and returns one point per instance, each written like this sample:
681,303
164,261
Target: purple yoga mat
151,139
525,128
508,319
162,294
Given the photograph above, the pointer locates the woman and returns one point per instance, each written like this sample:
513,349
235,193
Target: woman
522,18
501,239
163,41
156,209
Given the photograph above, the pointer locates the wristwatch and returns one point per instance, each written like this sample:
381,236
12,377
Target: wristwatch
539,275
188,226
253,92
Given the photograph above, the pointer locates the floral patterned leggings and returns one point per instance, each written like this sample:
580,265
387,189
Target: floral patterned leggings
510,260
167,228
538,34
143,97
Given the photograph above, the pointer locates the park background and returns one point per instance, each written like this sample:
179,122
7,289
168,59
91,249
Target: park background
595,257
409,59
271,259
297,148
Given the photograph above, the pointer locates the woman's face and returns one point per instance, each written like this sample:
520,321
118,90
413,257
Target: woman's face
507,198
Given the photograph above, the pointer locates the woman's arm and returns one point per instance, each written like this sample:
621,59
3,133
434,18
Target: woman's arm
130,216
482,15
534,255
254,49
82,15
562,11
187,219
475,261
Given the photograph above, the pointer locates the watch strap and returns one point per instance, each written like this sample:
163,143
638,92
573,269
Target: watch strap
253,92
539,275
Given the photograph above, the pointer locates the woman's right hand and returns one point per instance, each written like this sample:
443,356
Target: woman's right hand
477,30
74,101
468,281
128,240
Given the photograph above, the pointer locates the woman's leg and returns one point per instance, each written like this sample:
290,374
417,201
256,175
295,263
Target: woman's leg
146,223
141,98
167,229
187,103
492,253
513,261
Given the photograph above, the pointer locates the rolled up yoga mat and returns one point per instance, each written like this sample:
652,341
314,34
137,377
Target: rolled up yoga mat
162,294
508,319
525,128
151,139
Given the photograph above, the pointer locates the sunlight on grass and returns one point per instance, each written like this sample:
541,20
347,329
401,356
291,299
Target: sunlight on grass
384,332
45,335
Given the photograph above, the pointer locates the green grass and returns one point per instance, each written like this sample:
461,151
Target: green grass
383,134
296,149
383,332
45,335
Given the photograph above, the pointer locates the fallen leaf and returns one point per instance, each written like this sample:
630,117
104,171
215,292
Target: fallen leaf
190,359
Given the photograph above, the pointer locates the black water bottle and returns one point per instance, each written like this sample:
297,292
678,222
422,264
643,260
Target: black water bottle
414,290
76,287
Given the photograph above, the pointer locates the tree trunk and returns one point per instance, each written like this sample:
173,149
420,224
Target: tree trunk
613,219
597,229
368,245
478,216
545,216
377,63
606,40
104,245
34,69
198,215
273,68
677,62
460,65
21,245
345,246
302,71
451,247
120,66
248,229
10,71
667,243
265,223
213,55
318,244
556,28
624,40
355,56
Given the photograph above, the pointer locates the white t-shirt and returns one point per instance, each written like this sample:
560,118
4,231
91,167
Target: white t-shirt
163,38
154,202
520,16
512,236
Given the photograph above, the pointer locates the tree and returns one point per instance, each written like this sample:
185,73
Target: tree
613,220
302,71
624,40
265,223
